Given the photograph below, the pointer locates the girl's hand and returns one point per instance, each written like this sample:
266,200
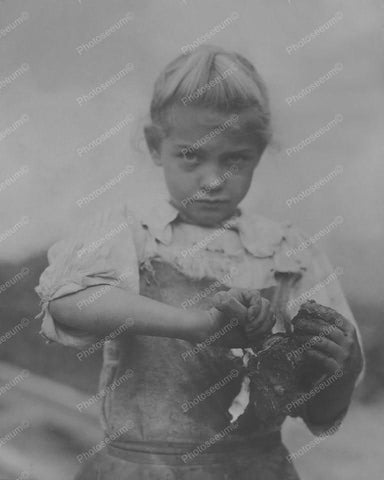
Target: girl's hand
331,344
245,309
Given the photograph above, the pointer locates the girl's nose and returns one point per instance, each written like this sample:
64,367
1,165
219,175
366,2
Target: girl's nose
212,179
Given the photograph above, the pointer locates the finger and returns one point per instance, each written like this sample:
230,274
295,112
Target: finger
331,333
223,301
221,298
309,328
344,340
254,298
345,325
325,345
229,305
320,344
258,309
303,323
329,348
262,322
327,364
248,297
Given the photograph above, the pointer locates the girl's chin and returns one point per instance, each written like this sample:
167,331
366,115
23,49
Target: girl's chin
205,218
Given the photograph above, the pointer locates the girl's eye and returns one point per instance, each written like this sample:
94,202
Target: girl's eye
236,159
189,157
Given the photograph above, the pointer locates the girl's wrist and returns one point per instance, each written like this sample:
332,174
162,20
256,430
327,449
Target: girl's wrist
199,324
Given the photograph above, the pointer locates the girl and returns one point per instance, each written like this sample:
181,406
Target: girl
171,374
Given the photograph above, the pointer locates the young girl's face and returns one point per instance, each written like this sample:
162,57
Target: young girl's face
208,160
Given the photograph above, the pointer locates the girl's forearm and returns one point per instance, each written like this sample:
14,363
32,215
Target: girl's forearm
116,307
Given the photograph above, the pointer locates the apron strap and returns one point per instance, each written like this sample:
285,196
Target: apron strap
285,283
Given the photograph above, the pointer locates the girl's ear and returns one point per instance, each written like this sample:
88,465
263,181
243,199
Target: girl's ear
153,137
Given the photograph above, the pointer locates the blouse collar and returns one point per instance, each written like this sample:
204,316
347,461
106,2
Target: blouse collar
259,236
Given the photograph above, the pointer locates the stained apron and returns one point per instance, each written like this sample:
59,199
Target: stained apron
159,430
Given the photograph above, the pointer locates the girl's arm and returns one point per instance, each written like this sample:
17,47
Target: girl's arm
144,317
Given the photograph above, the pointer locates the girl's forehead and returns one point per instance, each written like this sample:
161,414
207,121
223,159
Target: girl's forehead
192,123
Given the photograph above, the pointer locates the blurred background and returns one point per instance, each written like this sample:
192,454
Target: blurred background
51,45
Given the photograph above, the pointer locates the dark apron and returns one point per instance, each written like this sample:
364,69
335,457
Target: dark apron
163,441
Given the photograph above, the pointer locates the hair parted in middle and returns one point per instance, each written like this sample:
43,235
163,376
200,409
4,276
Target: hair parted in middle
214,78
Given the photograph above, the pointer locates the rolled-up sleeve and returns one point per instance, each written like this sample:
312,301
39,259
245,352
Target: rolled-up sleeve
101,253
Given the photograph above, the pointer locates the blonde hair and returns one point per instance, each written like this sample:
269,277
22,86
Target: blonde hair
214,78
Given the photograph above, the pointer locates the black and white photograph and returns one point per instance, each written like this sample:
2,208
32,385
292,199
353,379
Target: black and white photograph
191,239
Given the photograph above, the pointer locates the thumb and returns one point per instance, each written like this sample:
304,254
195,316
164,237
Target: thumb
225,303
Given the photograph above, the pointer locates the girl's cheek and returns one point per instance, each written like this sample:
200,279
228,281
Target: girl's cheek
240,183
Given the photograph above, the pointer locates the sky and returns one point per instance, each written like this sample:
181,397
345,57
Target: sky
47,42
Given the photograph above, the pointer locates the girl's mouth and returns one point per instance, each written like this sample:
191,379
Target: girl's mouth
213,202
212,205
